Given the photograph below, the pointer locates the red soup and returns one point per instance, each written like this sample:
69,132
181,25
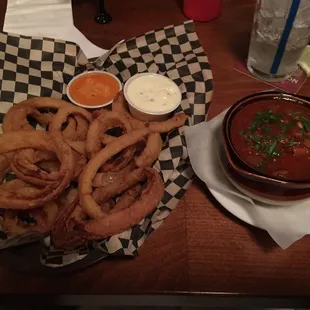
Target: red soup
273,137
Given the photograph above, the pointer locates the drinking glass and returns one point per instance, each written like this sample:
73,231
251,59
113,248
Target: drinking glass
281,30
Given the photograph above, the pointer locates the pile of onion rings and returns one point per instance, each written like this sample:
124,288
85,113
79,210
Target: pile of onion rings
87,177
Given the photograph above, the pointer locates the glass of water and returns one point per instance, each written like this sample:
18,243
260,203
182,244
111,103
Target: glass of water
281,30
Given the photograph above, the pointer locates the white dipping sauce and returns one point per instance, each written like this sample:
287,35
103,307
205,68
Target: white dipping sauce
153,93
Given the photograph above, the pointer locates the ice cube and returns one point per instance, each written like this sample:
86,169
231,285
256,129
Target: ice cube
266,9
303,17
281,8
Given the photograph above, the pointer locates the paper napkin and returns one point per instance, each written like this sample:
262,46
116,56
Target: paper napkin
285,224
47,18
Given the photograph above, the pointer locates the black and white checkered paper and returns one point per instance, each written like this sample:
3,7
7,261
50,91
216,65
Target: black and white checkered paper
43,67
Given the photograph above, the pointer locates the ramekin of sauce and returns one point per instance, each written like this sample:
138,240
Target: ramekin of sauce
151,97
93,89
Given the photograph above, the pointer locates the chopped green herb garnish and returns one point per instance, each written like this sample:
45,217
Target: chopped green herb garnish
276,153
279,138
284,127
291,143
267,116
252,127
272,148
305,124
266,129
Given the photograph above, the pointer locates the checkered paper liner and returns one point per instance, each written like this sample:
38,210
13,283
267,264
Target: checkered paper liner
43,67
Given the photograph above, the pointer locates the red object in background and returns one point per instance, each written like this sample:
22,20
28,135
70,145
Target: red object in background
202,10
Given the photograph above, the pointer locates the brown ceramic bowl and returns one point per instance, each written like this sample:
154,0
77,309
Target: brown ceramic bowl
250,179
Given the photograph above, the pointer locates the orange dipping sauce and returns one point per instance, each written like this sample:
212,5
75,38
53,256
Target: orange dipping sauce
94,89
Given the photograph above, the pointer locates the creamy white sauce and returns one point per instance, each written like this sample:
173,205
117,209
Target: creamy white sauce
153,93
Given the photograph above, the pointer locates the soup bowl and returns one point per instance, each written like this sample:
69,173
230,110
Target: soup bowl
265,146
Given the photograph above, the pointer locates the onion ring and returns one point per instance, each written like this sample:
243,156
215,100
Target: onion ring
100,125
102,194
44,102
121,220
121,161
63,235
42,220
127,199
69,133
108,205
61,117
49,165
120,105
4,166
82,127
39,140
176,121
105,178
96,136
24,166
16,118
78,146
151,151
86,177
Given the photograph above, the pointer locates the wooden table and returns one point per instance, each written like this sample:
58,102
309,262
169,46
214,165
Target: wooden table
201,248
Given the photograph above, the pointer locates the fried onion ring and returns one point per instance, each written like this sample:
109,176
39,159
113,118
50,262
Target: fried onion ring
41,219
121,161
176,121
4,166
127,199
120,105
99,126
82,119
123,219
88,174
105,178
102,194
16,118
24,166
78,146
69,133
33,197
151,151
96,136
44,102
63,235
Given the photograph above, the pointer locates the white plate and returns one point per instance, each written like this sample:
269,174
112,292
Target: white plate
234,205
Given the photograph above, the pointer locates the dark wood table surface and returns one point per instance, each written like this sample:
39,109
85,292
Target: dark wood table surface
200,248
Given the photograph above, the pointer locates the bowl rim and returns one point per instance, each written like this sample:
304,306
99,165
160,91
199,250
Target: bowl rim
92,72
230,149
255,195
148,112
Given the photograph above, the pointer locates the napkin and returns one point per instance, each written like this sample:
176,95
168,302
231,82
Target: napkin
304,60
285,224
47,18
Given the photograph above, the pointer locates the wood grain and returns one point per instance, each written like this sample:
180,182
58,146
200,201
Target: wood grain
227,255
200,247
160,266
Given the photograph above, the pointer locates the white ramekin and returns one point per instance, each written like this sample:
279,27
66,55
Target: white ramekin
92,72
146,115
